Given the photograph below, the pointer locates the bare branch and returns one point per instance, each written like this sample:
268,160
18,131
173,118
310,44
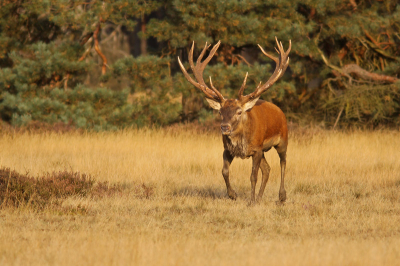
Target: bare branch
97,48
364,74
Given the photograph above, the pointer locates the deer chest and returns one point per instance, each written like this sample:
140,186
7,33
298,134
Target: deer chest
237,147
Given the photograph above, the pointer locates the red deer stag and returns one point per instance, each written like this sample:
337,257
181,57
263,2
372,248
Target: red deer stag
249,126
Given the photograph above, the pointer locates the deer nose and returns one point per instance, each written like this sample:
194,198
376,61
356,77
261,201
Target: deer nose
225,127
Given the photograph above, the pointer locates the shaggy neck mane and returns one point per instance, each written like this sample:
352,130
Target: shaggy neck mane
237,145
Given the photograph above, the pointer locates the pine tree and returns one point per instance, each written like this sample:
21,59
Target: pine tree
43,47
341,51
343,68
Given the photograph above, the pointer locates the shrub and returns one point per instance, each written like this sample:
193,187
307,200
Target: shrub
48,191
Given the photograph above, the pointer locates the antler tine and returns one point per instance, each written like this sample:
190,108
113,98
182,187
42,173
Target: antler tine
187,76
281,64
191,57
268,55
198,72
284,55
202,53
286,64
200,66
241,90
194,83
215,90
212,52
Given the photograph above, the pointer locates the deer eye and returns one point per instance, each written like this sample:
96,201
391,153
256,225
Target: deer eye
239,112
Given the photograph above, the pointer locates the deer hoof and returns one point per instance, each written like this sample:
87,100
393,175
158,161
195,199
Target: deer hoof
258,201
232,194
282,195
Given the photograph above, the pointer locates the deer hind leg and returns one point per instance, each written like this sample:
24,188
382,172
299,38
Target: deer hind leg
281,149
265,169
228,158
282,191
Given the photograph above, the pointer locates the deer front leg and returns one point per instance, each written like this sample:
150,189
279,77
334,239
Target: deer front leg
228,158
253,178
265,169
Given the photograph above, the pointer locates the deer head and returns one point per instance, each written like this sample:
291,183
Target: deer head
233,111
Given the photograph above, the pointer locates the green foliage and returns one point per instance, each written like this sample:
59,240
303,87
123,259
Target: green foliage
372,41
42,65
30,92
44,47
98,109
156,103
232,22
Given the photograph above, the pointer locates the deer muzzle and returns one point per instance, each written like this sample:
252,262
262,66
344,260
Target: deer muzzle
226,129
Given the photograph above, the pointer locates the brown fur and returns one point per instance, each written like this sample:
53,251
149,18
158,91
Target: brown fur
249,126
251,134
264,126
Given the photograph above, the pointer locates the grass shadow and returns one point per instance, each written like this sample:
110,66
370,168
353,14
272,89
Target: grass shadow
202,192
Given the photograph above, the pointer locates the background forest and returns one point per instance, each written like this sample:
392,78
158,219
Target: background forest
112,64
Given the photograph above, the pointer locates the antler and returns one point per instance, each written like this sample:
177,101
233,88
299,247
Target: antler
281,64
212,93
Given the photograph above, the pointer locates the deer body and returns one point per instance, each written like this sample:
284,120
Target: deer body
249,126
259,129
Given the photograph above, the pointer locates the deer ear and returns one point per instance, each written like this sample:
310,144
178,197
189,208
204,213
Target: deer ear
214,104
249,104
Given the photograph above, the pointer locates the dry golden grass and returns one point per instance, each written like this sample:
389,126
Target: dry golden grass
343,203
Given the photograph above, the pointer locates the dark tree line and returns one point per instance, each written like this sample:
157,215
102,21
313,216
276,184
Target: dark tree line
111,64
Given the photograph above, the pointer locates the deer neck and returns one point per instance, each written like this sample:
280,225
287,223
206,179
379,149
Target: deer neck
237,143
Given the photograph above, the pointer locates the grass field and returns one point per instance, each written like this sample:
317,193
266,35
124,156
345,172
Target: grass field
343,204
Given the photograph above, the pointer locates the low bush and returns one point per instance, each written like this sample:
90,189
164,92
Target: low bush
17,190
